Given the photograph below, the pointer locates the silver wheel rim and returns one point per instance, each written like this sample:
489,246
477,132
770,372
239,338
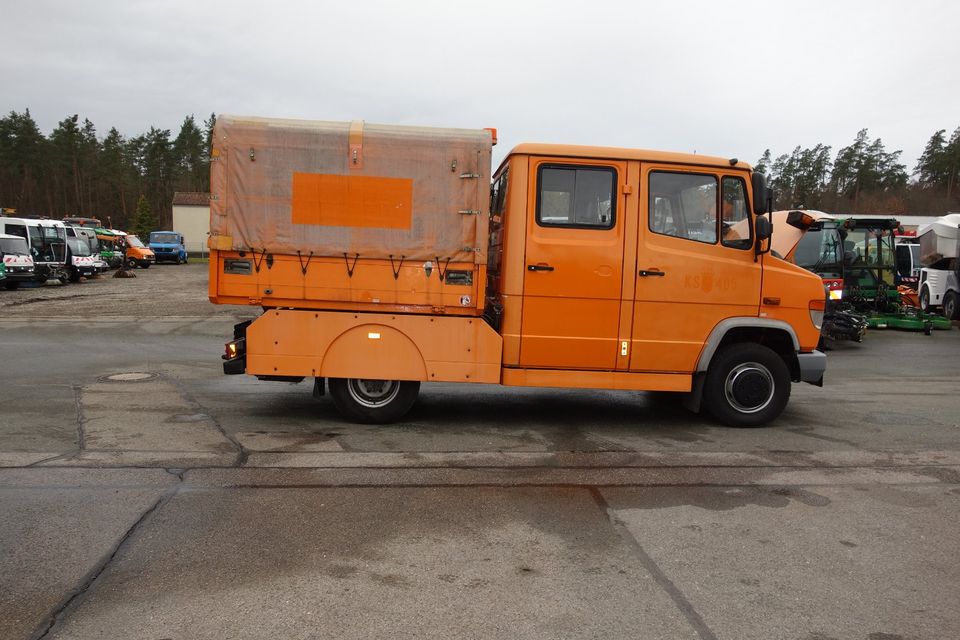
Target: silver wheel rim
749,387
373,393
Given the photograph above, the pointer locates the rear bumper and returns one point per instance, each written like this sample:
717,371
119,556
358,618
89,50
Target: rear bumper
812,367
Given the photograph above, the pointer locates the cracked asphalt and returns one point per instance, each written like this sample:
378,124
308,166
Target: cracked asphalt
192,505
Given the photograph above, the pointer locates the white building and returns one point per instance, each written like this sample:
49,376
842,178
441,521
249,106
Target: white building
191,217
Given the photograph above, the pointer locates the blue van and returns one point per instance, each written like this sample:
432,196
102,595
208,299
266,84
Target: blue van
168,245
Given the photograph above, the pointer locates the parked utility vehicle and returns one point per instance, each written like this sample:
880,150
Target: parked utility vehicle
136,253
383,260
940,277
47,241
15,256
168,246
88,237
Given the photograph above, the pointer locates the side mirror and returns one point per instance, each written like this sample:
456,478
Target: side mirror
764,229
762,194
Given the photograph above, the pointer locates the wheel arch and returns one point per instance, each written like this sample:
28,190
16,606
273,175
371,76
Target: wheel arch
373,351
775,334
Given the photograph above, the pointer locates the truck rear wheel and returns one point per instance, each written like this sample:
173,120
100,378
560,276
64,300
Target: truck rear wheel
373,401
747,385
950,306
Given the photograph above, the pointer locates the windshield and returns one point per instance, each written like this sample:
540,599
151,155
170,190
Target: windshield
164,238
819,250
14,246
873,258
134,241
47,243
78,246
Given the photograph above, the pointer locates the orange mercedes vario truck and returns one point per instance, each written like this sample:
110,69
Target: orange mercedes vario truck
385,257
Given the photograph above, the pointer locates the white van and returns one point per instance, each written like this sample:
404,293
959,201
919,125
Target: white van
15,255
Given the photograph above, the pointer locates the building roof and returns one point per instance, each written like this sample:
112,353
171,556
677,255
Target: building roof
191,198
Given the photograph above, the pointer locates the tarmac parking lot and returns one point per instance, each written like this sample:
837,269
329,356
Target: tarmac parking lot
143,494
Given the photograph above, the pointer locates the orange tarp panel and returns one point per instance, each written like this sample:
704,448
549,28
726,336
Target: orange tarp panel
352,201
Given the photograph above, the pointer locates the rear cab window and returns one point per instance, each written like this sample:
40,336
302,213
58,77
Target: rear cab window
574,196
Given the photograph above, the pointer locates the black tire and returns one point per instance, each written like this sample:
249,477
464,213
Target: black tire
747,385
144,265
74,277
951,309
11,285
925,299
131,264
373,401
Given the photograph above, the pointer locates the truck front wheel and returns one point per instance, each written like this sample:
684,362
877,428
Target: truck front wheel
747,385
373,401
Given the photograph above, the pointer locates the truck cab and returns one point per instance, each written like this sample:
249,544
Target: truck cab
136,254
89,251
16,260
168,246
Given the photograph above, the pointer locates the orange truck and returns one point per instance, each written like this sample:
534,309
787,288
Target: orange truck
385,257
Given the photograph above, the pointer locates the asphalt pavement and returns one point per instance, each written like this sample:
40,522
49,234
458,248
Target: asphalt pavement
143,494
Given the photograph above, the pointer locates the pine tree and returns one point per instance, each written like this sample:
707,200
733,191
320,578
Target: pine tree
146,221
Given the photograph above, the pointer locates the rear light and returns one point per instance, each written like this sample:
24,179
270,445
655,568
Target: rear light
834,288
233,349
817,308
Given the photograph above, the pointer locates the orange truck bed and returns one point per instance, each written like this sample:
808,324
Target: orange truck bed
329,215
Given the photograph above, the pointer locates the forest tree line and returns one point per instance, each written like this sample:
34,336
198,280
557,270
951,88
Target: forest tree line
866,178
76,172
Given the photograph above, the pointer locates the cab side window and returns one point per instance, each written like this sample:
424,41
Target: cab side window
683,205
17,230
734,216
582,197
498,195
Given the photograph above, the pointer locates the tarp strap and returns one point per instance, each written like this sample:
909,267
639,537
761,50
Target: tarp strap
347,262
257,263
442,272
396,269
304,265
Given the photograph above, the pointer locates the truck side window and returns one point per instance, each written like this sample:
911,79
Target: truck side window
17,230
734,218
498,195
683,205
582,197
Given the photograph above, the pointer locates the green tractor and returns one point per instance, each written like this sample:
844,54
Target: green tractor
870,276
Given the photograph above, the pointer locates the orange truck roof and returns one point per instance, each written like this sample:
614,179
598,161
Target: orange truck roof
619,153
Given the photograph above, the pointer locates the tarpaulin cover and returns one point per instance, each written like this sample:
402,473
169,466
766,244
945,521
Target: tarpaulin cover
331,188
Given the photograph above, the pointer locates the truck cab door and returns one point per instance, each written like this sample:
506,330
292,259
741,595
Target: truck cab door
695,264
574,264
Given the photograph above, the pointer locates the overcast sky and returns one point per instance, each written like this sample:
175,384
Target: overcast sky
719,78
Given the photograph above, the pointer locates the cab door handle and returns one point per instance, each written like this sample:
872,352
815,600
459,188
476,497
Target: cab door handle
651,272
539,267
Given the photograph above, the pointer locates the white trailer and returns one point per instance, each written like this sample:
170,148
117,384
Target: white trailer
940,276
